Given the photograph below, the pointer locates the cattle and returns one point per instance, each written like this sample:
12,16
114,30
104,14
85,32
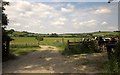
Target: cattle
110,46
104,42
100,42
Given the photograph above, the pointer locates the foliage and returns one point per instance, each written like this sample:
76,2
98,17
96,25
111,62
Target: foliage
105,34
83,47
114,61
54,35
10,31
4,16
39,38
70,35
5,38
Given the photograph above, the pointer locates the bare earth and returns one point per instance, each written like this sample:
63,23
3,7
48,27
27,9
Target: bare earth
48,60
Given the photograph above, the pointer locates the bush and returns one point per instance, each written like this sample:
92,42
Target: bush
89,46
84,47
114,62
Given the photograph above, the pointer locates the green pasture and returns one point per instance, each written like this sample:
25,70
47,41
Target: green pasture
23,40
46,41
24,45
105,34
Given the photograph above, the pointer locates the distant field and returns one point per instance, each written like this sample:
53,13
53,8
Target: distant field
23,45
105,33
23,40
47,41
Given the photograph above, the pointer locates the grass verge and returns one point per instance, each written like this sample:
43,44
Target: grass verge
22,51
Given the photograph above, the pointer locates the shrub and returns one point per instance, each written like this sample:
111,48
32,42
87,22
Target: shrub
84,47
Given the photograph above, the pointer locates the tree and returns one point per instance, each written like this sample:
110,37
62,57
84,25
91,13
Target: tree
54,35
4,16
5,38
39,38
10,31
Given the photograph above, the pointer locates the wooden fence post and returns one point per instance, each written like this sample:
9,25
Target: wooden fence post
68,44
7,48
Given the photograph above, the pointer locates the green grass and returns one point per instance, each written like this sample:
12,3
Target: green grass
105,33
46,41
23,40
24,45
22,51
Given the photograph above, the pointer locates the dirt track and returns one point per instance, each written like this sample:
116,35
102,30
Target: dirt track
49,60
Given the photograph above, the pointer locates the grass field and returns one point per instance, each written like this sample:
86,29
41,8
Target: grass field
27,43
46,41
24,45
105,33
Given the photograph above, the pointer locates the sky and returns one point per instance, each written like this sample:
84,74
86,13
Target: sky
62,17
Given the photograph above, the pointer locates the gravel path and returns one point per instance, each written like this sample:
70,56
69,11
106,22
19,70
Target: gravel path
49,60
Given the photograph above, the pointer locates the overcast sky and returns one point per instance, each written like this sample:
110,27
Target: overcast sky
62,17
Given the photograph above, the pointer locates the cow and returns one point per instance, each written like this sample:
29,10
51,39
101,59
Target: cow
100,42
110,46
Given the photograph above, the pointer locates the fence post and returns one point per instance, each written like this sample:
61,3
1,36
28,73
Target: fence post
7,48
63,39
68,44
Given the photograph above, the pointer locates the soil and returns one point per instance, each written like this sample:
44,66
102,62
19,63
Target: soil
48,59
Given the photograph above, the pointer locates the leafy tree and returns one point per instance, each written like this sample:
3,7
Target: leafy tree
54,35
10,31
4,16
39,38
5,38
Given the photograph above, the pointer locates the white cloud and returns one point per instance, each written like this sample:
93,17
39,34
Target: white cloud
27,26
27,15
68,8
16,24
88,23
111,28
47,17
60,21
102,11
91,21
103,23
83,24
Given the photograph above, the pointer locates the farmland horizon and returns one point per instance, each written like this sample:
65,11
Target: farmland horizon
62,33
65,17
